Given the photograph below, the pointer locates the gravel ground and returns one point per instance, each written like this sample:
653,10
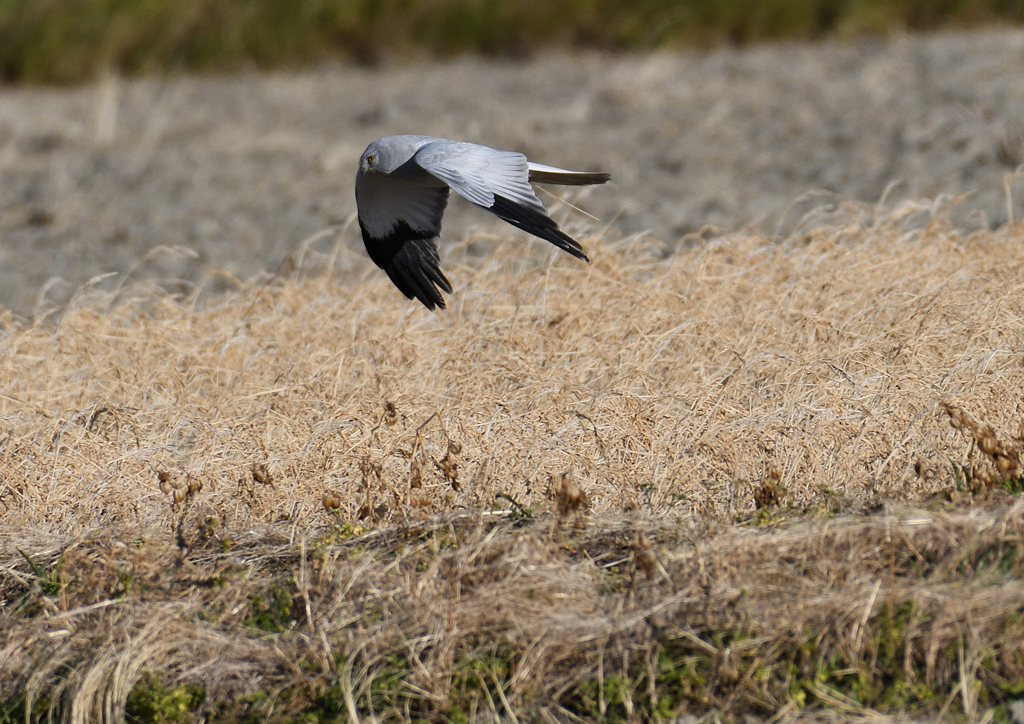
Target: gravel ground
238,172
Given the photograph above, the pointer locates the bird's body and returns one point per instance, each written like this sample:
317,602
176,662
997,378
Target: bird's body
402,190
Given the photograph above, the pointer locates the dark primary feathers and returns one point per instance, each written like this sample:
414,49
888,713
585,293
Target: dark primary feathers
411,262
402,190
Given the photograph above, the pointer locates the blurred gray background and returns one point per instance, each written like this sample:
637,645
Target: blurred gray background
235,174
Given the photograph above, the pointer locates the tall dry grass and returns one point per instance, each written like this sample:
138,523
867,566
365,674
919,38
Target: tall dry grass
285,493
665,384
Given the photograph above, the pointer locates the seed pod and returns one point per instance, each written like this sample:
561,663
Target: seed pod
370,470
1006,464
569,497
956,415
331,502
195,486
180,494
166,484
415,474
261,475
767,494
390,414
643,556
449,466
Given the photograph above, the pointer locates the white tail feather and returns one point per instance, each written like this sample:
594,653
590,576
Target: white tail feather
541,174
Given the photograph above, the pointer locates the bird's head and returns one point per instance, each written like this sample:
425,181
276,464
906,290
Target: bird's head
374,158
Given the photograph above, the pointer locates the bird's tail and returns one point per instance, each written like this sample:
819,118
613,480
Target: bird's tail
541,174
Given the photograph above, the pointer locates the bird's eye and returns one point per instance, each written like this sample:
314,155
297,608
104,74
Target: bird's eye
371,159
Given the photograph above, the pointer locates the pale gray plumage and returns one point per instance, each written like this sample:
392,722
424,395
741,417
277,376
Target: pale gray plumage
402,190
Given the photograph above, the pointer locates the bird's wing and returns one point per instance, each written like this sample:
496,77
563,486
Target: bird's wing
498,181
400,220
541,174
479,173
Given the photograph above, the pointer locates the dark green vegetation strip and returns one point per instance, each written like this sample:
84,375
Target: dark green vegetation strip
898,610
73,40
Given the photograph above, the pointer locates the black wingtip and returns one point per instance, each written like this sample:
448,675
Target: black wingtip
412,263
533,222
415,271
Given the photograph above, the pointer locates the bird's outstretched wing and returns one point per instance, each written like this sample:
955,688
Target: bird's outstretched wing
498,181
400,220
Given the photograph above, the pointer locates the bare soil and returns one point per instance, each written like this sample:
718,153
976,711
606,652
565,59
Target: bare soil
237,172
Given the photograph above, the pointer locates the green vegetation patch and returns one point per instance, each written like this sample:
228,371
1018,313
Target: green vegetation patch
734,672
903,612
73,40
272,610
153,702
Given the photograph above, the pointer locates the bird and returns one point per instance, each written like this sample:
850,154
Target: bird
402,188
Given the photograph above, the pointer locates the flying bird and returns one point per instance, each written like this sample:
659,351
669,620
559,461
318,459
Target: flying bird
402,190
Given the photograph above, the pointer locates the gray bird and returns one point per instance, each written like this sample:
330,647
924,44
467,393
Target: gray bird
402,190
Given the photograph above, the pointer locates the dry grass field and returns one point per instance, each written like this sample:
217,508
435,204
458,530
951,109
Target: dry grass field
768,477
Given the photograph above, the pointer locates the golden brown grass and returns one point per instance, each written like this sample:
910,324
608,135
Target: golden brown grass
309,488
661,383
901,610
